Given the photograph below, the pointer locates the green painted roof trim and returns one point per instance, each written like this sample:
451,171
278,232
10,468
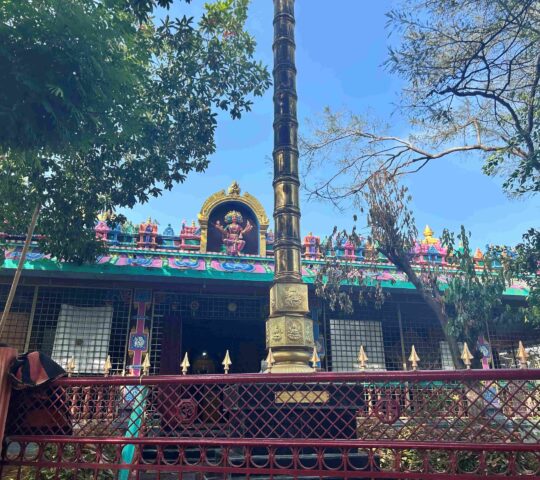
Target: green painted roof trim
47,265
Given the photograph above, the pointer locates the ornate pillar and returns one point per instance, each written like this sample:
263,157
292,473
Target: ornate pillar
289,330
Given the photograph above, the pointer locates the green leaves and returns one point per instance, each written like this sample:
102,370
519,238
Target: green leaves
103,111
472,70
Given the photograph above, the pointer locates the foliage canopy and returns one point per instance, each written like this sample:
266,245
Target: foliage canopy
472,71
105,108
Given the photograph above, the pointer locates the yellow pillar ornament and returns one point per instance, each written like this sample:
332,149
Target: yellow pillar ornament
146,365
226,362
315,359
70,367
270,360
522,355
362,358
414,358
185,364
107,367
467,356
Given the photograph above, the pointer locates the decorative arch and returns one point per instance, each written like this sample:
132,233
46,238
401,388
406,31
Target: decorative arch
233,194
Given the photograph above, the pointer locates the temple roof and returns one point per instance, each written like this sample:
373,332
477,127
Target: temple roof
144,250
209,266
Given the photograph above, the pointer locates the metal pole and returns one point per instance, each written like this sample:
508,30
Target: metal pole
289,330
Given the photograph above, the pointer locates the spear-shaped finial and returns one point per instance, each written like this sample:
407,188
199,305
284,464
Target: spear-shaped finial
70,367
362,358
226,362
185,364
315,359
107,367
522,355
270,360
146,365
467,356
414,358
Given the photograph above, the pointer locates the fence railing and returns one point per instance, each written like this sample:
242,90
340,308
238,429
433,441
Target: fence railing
421,424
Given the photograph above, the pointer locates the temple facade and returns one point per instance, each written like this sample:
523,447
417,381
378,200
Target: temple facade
202,288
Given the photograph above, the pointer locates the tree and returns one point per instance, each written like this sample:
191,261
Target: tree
137,116
472,73
527,266
464,293
103,108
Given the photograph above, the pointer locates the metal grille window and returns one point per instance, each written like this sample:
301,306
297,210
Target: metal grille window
421,329
504,345
83,333
15,331
348,335
84,323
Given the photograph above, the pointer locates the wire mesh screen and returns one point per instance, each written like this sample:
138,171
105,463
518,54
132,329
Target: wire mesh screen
388,334
503,342
86,324
347,337
377,329
211,324
15,330
421,329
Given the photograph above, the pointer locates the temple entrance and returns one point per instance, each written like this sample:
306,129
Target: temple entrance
207,342
205,328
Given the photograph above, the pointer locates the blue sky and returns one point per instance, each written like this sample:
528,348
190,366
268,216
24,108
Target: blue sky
341,46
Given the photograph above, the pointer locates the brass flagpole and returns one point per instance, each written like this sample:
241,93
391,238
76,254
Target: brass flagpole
289,330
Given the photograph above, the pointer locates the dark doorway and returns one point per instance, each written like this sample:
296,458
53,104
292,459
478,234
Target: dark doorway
210,324
207,340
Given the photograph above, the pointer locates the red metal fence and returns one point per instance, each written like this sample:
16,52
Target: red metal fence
425,424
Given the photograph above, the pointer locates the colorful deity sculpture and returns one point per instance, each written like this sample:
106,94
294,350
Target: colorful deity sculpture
102,228
233,232
190,236
129,233
167,236
349,249
312,246
114,234
147,233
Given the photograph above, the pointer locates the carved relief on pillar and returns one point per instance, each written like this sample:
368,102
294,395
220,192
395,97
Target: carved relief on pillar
289,330
295,332
289,297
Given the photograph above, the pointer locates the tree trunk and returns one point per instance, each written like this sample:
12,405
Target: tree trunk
20,267
435,306
443,321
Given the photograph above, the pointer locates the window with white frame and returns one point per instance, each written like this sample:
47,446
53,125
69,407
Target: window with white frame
83,333
346,337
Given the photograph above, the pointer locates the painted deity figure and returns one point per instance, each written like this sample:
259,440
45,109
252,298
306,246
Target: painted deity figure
233,232
311,246
148,233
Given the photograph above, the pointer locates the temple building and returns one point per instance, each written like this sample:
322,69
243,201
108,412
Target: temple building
202,288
